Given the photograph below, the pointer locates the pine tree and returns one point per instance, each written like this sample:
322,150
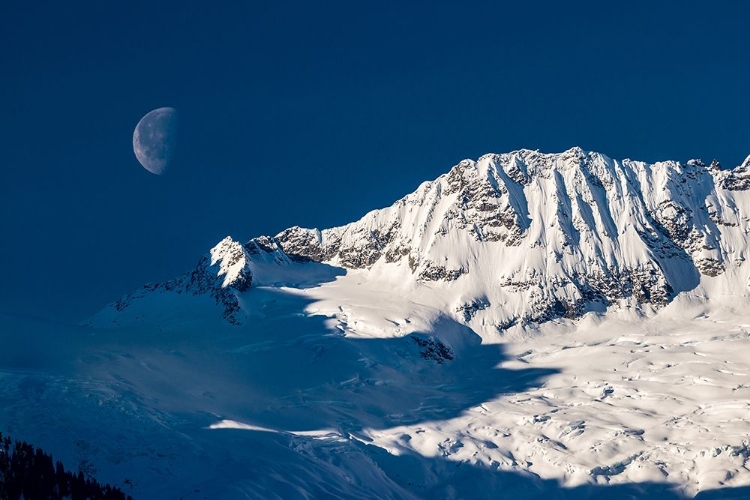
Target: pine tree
30,473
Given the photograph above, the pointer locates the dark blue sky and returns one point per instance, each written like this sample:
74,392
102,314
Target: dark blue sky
314,113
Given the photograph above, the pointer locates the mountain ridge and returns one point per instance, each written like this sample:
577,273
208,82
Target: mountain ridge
519,237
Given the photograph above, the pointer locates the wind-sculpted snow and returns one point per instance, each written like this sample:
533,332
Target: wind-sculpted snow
321,393
293,372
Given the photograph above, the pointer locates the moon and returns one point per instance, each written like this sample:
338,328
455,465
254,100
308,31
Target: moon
155,138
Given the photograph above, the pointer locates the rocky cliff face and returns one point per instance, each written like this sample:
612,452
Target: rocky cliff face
524,237
221,274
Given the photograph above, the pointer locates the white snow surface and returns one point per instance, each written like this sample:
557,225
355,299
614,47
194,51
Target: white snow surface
362,376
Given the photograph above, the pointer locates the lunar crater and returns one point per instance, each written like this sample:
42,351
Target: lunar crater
154,139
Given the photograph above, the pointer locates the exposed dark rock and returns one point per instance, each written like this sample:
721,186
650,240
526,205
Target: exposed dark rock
469,309
432,349
674,220
709,266
434,272
207,278
738,179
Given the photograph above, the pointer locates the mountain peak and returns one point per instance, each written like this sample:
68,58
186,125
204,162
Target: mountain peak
233,264
531,236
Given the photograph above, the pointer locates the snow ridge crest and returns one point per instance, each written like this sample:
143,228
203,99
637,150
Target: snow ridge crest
531,236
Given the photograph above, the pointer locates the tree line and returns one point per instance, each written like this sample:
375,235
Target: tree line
29,473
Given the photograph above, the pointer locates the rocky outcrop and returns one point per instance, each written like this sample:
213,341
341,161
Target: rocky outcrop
221,274
432,349
739,178
468,309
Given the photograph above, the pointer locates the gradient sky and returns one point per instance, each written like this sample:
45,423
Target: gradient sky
313,113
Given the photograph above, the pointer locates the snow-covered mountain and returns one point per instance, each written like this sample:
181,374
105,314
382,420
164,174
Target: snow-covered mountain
526,326
515,238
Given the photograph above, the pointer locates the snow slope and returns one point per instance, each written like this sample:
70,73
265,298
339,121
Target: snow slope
530,325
